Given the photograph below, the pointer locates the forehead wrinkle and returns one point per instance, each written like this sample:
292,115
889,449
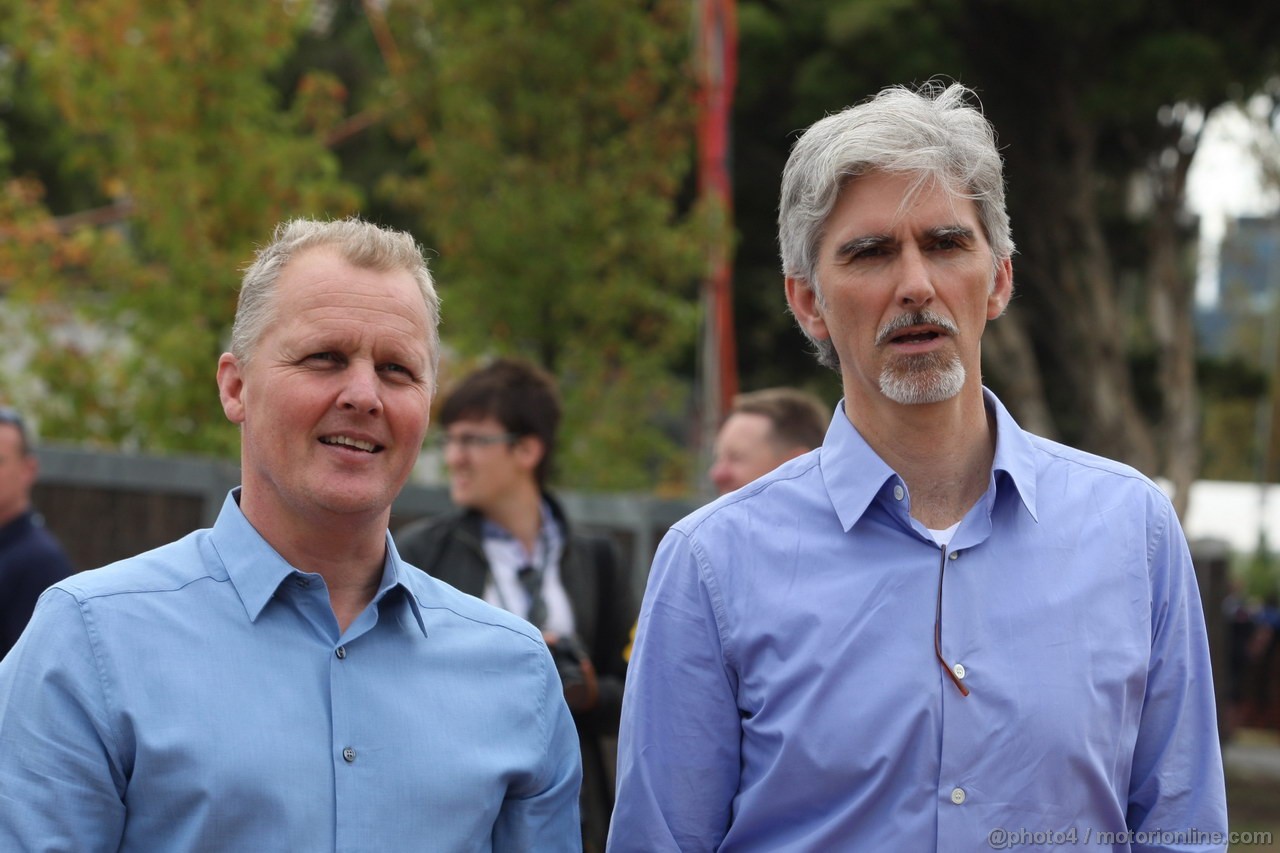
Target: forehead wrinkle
363,310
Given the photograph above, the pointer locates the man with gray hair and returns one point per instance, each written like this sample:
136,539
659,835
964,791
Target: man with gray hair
937,631
283,681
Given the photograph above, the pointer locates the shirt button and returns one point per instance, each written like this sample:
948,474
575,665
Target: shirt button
958,669
898,493
957,795
341,652
349,755
954,555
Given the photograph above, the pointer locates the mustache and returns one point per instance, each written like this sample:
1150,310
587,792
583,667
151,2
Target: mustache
915,318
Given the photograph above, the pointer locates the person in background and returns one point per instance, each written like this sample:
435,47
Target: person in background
764,429
937,632
510,543
30,557
284,680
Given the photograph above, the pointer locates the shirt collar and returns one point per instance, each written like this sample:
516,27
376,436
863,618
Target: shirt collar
394,572
257,570
549,534
1015,454
844,450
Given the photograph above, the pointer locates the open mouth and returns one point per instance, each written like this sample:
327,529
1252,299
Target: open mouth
915,329
353,443
915,337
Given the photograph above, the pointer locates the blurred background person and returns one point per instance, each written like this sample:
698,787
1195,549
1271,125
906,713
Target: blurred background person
30,558
764,429
510,544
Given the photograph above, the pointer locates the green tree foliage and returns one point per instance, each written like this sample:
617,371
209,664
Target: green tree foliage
542,148
166,128
560,140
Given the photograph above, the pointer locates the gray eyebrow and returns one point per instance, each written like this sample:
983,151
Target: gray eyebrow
870,241
951,231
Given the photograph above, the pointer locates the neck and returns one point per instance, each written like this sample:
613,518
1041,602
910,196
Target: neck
942,451
347,551
519,513
13,513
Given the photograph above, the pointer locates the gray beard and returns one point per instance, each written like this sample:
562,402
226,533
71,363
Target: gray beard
927,378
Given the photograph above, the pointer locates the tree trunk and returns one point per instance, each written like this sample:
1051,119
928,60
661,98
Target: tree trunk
1078,320
1170,295
1008,355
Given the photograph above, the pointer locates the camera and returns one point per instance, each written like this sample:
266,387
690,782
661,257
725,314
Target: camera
571,660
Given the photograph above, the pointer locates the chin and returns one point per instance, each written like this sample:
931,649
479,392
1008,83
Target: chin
925,382
354,498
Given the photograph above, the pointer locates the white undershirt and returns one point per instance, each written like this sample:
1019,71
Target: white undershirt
507,556
943,537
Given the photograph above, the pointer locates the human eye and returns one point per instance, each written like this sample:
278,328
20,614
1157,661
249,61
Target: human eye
397,371
952,239
326,357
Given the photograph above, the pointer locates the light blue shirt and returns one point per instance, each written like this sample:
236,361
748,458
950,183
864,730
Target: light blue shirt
784,693
199,698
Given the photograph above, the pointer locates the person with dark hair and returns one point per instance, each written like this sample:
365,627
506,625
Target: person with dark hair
284,680
937,631
31,559
764,429
510,544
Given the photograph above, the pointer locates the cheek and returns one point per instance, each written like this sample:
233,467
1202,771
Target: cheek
410,413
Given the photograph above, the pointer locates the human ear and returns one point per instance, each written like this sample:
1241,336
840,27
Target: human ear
1001,289
231,387
803,299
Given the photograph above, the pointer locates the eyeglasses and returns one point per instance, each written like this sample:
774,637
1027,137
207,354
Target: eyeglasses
473,440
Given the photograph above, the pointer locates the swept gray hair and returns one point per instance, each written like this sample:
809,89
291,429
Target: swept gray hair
932,132
359,243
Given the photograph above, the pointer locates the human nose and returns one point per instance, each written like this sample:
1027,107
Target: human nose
915,285
361,391
452,452
720,475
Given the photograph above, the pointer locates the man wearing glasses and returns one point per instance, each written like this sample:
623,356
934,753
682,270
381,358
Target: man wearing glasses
511,544
936,631
30,558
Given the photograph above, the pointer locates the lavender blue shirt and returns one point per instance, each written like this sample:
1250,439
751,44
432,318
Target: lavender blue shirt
784,693
200,697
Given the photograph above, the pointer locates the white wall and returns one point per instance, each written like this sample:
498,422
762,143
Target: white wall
1235,513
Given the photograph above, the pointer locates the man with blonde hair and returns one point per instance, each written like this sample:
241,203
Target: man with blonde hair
284,681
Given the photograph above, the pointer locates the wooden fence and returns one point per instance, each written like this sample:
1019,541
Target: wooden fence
105,507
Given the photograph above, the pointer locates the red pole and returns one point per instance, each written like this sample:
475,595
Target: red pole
717,72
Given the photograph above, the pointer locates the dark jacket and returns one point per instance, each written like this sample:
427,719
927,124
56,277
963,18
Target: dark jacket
30,561
450,549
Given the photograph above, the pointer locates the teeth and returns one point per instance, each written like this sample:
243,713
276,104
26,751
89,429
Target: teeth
366,446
